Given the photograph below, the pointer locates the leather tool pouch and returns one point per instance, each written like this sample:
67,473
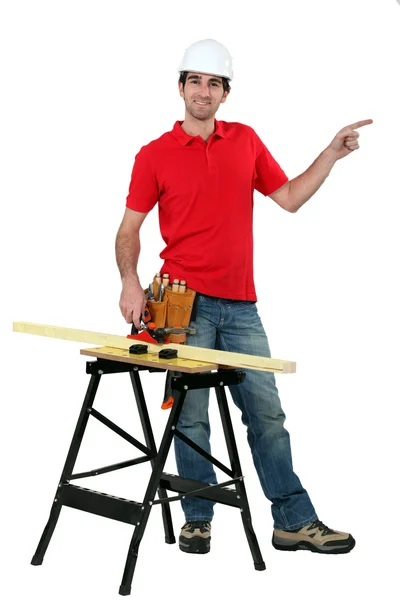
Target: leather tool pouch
179,310
174,310
158,311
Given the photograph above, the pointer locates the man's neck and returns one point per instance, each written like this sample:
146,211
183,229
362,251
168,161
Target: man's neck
195,127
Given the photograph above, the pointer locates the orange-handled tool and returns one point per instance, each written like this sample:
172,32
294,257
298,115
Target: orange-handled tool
145,319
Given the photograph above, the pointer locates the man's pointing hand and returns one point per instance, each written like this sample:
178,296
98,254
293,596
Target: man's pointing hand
346,141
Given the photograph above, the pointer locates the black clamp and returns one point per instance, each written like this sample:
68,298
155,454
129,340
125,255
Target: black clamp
138,349
167,353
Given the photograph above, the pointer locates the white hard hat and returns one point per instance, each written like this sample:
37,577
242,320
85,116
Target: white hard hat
208,56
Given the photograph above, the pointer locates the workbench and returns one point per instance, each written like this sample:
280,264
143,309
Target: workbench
185,374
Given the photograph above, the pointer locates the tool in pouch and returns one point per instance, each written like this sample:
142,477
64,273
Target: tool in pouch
170,309
166,318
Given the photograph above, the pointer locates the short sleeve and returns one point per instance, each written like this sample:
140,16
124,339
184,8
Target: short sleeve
269,175
143,189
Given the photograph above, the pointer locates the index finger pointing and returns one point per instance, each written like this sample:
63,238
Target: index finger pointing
360,124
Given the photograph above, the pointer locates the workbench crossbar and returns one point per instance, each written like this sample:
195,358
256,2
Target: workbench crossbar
206,455
222,495
198,491
120,432
199,381
102,366
115,467
98,503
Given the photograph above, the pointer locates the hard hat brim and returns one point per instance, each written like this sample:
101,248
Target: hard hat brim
180,70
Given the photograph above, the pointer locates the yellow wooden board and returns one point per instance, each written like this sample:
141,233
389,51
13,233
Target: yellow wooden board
184,365
216,357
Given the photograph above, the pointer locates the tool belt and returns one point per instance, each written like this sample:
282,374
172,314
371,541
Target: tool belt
174,310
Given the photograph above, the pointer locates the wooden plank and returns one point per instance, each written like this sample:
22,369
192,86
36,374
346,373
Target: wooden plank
219,357
150,360
74,335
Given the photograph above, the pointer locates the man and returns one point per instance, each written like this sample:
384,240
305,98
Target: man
203,174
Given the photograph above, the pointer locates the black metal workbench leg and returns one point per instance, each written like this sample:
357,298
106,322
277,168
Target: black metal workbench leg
150,442
159,462
240,487
67,471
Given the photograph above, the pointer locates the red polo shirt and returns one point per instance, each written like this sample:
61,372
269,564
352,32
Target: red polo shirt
205,201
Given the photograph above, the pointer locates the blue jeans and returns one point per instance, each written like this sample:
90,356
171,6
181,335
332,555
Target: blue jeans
235,325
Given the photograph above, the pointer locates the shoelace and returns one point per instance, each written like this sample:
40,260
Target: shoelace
325,530
202,525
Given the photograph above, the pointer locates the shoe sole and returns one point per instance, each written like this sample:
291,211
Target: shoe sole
293,546
195,545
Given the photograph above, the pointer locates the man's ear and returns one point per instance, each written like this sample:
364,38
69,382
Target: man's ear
224,97
181,90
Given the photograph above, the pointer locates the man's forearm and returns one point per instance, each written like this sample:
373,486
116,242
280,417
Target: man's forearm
305,185
127,250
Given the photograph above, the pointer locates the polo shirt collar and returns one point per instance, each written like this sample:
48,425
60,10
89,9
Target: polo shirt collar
184,138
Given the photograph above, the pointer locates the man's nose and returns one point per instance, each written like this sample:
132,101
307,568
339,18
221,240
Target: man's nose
204,89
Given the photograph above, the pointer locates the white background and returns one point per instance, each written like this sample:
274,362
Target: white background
85,85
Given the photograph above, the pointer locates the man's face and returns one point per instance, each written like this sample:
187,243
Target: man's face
202,94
